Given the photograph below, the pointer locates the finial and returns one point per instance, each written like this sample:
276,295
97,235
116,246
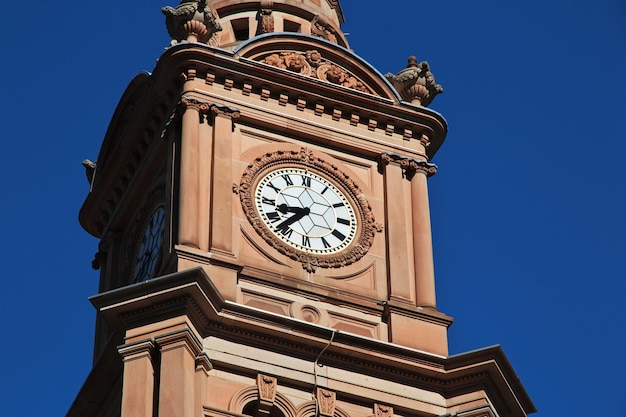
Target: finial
416,83
191,21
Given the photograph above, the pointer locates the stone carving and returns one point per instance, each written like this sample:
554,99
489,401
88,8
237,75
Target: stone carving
416,83
191,21
382,410
267,391
265,18
320,27
307,159
326,402
409,165
311,63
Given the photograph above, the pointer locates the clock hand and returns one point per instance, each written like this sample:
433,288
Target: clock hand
300,213
284,208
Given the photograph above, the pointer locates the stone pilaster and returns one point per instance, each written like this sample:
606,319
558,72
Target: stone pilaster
222,210
400,257
138,385
177,396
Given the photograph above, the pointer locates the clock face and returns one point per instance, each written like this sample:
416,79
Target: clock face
149,247
306,211
307,207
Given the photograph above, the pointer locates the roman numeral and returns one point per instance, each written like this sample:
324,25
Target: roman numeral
339,235
287,179
325,243
324,190
266,200
306,241
343,221
306,181
273,216
338,205
273,187
284,229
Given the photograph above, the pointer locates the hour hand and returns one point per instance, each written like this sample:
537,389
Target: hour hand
284,208
300,212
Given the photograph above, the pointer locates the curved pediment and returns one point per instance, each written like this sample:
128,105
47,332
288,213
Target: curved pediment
319,59
123,112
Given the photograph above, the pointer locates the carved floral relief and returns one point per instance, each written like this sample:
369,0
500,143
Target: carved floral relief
311,63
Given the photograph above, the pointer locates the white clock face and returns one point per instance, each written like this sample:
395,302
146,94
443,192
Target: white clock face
149,250
306,211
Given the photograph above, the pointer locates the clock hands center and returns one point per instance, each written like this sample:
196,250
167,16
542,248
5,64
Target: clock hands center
299,213
284,208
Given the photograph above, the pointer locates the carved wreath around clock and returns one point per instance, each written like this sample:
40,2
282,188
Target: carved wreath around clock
307,208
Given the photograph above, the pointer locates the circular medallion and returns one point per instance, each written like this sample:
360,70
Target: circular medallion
307,209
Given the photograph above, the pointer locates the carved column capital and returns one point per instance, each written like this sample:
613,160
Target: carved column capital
226,111
409,165
193,103
423,167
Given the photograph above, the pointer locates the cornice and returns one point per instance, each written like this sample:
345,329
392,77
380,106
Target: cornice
148,108
192,293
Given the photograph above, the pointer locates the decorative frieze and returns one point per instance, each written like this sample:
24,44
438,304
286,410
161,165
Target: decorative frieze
311,64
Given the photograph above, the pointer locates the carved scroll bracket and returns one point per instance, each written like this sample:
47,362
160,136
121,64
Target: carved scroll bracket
205,109
409,166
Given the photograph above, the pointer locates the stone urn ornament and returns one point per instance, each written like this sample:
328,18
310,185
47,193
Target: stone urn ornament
415,83
191,21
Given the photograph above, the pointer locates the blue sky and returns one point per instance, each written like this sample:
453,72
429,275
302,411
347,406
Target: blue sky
527,207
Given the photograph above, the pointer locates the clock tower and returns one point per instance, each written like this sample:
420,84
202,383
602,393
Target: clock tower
265,247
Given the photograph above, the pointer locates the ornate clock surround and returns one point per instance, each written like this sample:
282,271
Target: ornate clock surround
305,158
